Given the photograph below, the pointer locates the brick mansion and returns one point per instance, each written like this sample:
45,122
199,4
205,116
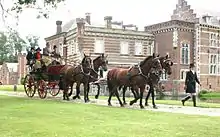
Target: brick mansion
187,37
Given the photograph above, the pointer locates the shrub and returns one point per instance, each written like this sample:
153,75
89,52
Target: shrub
22,81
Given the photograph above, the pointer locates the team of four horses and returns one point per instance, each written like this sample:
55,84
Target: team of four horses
147,72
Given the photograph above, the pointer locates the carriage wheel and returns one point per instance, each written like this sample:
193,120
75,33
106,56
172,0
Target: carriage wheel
29,85
42,89
54,90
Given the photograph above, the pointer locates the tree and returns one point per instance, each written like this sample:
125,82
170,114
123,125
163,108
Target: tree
10,45
16,42
5,48
32,41
20,5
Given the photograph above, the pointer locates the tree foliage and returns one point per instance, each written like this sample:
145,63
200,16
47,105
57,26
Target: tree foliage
32,41
20,5
10,45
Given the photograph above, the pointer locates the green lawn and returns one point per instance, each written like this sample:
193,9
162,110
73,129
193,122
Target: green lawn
21,117
11,87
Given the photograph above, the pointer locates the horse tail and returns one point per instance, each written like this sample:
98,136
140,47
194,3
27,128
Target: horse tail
109,84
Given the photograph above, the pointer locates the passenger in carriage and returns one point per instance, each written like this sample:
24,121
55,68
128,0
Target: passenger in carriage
30,56
38,57
46,52
54,53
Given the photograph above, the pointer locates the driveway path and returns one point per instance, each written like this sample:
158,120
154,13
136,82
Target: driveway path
161,107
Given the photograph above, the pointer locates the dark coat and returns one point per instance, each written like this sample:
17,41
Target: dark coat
190,82
30,56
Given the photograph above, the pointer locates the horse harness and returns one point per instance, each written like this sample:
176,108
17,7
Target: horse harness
146,77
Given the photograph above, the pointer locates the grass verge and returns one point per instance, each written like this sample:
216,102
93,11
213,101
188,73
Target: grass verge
20,88
23,117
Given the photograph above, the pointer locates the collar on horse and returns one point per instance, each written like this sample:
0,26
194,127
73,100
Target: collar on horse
152,71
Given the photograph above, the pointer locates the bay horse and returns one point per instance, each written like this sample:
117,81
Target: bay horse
166,64
99,62
76,74
135,77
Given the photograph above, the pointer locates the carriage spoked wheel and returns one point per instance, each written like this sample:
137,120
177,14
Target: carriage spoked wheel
42,89
29,85
54,89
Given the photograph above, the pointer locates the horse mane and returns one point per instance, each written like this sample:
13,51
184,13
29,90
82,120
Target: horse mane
96,58
83,60
145,60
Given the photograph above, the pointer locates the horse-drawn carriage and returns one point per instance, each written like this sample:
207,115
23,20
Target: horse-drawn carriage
43,82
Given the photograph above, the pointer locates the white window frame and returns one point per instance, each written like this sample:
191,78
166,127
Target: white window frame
124,47
60,49
183,77
213,42
99,46
138,48
213,64
150,49
163,76
181,57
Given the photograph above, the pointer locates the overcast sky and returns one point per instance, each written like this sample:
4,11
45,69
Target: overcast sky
138,12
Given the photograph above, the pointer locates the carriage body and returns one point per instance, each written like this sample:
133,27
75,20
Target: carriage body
43,82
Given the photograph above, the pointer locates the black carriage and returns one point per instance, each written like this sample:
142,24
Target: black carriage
43,82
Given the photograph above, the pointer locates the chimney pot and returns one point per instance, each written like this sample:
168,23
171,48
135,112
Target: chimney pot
108,21
59,27
88,18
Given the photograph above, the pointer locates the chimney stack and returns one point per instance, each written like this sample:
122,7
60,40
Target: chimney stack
59,27
88,18
108,21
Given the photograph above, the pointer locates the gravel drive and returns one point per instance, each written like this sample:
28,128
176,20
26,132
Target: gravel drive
161,107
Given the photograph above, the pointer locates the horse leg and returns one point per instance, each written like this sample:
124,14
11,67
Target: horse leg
77,91
135,89
110,90
153,96
98,92
147,97
141,96
65,91
87,94
124,90
71,89
117,95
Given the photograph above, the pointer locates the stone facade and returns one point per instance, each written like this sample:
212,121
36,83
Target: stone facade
8,73
120,42
188,38
11,73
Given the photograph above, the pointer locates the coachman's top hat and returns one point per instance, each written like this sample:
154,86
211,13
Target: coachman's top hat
38,49
191,65
32,48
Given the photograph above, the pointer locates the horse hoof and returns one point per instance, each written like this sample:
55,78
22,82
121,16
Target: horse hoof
124,103
79,97
131,103
142,107
96,97
74,97
155,107
109,104
146,104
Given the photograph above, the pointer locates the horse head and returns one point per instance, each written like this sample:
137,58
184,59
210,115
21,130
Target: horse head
101,61
152,64
166,64
87,61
